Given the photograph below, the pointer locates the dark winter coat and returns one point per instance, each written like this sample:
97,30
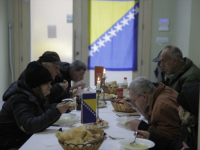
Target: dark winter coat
23,114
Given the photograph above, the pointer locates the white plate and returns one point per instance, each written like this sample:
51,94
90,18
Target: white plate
101,106
123,120
149,143
67,119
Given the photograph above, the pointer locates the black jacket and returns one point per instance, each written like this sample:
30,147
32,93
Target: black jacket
64,75
23,114
55,92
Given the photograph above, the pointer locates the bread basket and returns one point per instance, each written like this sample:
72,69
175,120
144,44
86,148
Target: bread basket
118,106
87,146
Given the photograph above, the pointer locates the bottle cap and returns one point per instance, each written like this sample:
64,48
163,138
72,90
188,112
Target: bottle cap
125,77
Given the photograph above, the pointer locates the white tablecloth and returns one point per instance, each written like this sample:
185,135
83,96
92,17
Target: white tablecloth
46,140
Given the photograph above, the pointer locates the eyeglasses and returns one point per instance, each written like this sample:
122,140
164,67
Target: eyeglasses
133,101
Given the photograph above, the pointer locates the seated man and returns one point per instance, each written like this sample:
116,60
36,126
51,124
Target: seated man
26,109
71,72
157,105
189,103
181,71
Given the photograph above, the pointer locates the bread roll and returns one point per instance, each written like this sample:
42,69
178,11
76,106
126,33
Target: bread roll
67,135
89,134
75,141
91,140
78,134
60,137
98,137
74,91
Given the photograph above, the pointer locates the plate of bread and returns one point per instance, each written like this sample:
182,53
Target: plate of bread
81,138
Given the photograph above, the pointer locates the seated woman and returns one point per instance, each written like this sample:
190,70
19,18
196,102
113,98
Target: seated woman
26,109
188,112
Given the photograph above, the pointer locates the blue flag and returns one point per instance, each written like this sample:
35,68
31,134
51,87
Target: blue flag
113,26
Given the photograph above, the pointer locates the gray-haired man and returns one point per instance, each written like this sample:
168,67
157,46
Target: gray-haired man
181,71
71,72
157,105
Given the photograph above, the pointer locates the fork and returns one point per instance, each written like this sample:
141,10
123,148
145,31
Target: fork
115,138
134,143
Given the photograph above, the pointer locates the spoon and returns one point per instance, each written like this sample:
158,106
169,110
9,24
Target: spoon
130,104
134,143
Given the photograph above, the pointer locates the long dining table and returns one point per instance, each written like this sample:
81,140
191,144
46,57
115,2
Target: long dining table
47,140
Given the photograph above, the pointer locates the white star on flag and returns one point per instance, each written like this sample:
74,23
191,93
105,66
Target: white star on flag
130,16
118,27
95,48
101,43
136,10
91,53
124,21
106,38
112,32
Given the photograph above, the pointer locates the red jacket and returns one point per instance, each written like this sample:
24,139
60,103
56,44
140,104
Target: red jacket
163,112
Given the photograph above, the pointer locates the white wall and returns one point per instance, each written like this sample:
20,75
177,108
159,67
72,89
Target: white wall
194,47
182,25
5,16
51,12
161,9
180,31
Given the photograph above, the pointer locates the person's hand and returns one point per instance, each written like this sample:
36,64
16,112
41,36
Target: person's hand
184,146
142,134
64,85
133,124
82,85
125,102
62,107
72,94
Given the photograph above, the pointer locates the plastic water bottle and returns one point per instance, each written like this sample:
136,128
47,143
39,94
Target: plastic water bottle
125,87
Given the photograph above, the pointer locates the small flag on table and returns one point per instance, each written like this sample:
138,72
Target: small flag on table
89,107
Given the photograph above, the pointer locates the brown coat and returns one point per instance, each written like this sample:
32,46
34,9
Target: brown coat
163,112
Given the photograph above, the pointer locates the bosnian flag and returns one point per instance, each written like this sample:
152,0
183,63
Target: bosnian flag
113,31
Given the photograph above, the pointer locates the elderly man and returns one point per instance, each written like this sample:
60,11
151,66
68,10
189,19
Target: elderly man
71,72
157,105
181,71
159,71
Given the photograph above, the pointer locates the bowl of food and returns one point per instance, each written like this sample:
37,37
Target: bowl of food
141,144
67,119
81,138
123,120
119,106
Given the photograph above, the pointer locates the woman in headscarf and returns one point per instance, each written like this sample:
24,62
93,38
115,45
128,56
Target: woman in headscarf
26,109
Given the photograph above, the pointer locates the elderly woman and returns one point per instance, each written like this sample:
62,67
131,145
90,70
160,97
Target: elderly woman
26,110
188,113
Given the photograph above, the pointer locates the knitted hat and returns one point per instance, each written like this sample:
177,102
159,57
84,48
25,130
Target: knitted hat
51,57
36,75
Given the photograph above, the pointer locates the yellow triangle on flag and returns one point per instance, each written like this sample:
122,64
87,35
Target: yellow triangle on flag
92,103
104,14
